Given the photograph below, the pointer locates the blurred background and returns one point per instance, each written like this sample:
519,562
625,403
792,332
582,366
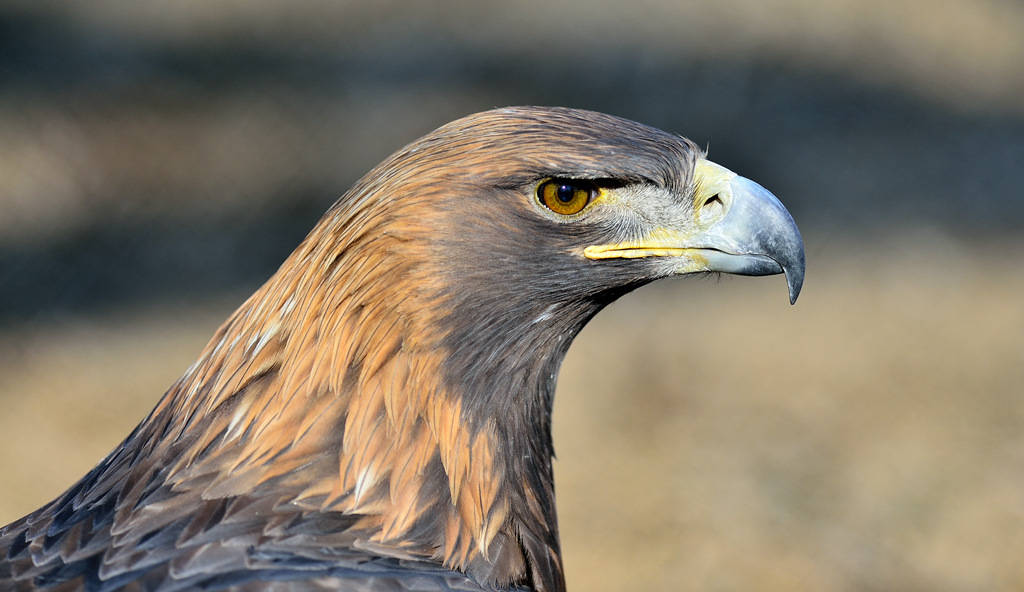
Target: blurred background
158,161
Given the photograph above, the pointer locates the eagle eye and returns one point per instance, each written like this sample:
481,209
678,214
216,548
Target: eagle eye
566,196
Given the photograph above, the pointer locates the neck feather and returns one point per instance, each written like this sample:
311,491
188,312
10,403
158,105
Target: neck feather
340,393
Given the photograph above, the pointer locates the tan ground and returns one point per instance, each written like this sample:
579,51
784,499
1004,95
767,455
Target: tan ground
710,436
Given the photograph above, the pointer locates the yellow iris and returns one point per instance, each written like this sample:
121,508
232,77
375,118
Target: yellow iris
566,196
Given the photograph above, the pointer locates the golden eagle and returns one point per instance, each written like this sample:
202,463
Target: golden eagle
377,415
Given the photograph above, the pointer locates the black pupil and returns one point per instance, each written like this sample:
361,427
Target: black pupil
565,193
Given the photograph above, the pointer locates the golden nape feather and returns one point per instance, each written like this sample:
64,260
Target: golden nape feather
377,415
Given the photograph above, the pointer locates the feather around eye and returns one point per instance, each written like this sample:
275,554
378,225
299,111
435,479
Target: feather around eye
566,196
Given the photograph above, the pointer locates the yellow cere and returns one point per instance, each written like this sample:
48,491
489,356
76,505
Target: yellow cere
713,192
710,178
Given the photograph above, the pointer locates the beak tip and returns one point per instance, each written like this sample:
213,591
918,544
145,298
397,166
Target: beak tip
795,278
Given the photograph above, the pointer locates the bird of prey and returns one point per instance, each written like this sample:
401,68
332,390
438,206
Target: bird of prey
377,415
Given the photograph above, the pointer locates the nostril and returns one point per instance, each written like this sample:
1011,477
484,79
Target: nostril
711,210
